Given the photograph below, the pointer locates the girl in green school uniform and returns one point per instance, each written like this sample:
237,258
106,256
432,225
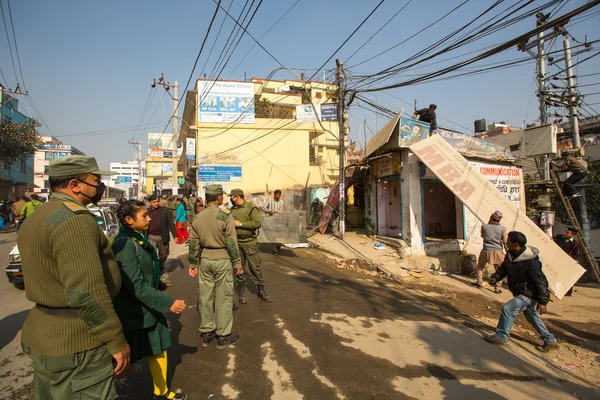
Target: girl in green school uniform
141,304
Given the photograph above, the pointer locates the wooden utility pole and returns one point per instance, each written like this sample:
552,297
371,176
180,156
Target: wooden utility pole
342,131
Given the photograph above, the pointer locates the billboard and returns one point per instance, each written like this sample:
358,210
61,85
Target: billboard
329,112
226,102
158,143
190,149
482,198
412,131
306,113
123,179
219,173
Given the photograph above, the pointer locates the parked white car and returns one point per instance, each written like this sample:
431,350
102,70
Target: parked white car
105,218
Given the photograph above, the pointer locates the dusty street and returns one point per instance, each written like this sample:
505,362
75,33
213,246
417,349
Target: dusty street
330,333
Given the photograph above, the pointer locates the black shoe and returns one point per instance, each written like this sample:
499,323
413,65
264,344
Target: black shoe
493,339
547,347
227,340
241,291
178,396
262,294
208,337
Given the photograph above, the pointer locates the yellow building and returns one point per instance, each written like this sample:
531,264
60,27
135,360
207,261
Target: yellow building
159,175
262,135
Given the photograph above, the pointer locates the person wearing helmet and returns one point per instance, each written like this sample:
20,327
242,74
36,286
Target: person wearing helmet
494,243
578,169
427,115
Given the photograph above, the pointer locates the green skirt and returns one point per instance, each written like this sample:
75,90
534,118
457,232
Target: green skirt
150,341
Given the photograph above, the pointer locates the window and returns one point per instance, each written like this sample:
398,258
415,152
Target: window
46,169
23,165
47,184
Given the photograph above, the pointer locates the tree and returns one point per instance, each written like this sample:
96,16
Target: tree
18,141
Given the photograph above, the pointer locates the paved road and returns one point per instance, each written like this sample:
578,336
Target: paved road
336,334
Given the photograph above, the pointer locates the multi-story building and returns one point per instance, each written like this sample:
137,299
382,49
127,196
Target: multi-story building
15,179
50,149
127,177
261,135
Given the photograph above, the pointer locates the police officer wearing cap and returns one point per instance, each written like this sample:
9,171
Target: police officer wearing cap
213,249
73,335
427,115
247,222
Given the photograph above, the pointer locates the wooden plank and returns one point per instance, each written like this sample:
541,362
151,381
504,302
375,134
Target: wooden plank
482,198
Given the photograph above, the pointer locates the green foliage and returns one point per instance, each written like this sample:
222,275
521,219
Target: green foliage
18,140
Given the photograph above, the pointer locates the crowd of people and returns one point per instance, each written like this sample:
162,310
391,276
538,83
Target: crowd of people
12,212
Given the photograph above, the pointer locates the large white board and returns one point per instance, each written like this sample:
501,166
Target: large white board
481,197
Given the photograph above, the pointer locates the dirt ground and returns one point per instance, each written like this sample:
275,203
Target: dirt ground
575,321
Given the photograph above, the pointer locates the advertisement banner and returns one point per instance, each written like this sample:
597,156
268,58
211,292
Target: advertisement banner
160,141
167,153
219,173
154,169
155,152
412,131
306,113
480,196
386,166
190,149
221,159
225,102
167,169
123,179
329,112
507,179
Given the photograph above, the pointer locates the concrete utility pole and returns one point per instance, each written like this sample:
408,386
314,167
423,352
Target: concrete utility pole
574,116
342,176
167,86
138,158
541,61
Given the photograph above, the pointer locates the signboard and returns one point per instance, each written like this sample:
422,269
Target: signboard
219,173
285,227
55,147
329,112
412,131
480,196
167,168
222,159
225,102
386,165
167,153
190,149
161,141
123,179
507,179
474,147
155,152
306,113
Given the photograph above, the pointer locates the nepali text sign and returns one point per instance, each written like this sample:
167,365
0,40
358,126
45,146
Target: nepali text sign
506,178
329,112
478,194
219,173
308,113
386,165
225,102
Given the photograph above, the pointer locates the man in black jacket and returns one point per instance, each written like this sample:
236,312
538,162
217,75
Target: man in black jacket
570,246
529,285
158,231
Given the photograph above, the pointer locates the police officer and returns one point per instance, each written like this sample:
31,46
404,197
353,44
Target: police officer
163,200
213,249
247,222
72,334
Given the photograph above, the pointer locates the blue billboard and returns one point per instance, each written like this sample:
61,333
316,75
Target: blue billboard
219,173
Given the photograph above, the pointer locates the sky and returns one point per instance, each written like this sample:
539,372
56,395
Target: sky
88,66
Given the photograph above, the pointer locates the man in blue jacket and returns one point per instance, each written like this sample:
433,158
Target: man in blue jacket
529,285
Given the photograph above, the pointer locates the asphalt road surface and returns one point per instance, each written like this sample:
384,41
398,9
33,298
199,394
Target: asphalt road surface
328,334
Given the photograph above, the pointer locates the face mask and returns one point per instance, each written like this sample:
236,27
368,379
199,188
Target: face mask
100,188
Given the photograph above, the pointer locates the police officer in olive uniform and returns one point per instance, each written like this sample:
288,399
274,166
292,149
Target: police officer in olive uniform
73,334
174,205
213,249
247,222
163,201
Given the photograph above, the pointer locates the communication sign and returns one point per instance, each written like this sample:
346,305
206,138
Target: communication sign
480,196
329,112
225,102
219,173
190,149
507,179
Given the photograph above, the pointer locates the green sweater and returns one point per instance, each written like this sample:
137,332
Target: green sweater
249,217
68,263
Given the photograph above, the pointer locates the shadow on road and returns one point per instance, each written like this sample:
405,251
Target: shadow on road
10,326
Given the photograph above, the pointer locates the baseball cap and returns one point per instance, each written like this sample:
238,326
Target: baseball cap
75,165
214,190
236,192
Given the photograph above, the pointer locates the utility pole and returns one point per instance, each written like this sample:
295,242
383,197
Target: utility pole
574,116
365,148
138,158
167,86
541,61
342,129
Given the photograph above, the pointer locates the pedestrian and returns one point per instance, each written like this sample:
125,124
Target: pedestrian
161,224
181,223
174,204
162,201
529,286
30,206
17,206
273,206
569,245
199,205
73,334
316,209
578,169
141,304
212,252
247,223
494,243
427,115
189,208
